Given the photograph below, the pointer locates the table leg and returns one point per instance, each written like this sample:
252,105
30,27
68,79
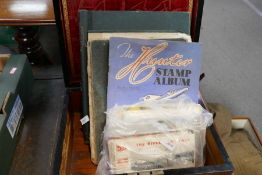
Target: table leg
27,38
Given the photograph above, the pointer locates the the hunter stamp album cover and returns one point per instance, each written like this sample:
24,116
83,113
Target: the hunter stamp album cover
141,69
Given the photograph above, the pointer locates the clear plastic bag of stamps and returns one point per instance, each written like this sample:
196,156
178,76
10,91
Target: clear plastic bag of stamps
154,135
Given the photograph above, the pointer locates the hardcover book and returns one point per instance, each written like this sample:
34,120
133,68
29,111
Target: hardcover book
97,82
142,70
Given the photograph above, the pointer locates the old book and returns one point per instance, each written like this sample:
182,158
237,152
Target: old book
141,35
97,83
152,70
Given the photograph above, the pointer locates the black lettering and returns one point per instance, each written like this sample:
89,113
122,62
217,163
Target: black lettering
170,81
175,81
185,82
165,72
187,73
170,72
180,73
163,81
157,81
158,71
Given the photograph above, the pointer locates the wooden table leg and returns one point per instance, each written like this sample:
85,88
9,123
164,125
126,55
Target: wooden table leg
28,43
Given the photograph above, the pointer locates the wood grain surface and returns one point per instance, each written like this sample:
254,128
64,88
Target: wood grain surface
79,162
27,12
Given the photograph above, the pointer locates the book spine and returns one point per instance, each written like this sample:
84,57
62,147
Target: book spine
83,56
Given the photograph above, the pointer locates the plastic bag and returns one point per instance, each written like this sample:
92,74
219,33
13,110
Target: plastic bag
154,135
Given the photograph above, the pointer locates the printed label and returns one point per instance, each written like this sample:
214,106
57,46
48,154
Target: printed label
152,152
14,117
13,70
84,120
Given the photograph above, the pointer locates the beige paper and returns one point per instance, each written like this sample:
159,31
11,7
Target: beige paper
152,152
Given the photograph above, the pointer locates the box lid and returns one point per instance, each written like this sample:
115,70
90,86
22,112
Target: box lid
67,12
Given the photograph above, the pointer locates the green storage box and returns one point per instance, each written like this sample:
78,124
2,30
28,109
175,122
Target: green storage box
16,81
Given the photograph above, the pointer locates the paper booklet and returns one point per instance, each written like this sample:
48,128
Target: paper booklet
141,69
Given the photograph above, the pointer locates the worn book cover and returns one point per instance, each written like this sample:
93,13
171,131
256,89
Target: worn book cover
142,69
97,82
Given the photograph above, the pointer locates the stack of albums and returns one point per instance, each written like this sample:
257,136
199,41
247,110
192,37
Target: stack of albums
153,119
97,67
